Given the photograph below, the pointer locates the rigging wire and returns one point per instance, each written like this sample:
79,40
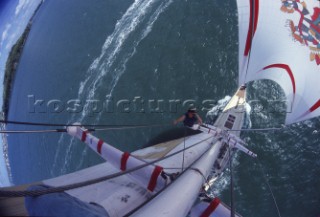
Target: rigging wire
269,187
63,130
231,184
258,129
34,131
75,125
184,146
126,127
34,193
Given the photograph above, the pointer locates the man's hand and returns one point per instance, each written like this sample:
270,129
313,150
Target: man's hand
179,120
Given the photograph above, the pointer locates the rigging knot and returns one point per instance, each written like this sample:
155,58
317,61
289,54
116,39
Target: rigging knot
169,177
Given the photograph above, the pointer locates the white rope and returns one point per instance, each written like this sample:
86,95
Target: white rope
273,197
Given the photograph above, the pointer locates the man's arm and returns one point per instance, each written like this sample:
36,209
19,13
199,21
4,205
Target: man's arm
199,119
179,120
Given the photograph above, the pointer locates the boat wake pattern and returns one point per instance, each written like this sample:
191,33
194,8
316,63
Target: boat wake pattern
105,71
214,113
217,109
5,169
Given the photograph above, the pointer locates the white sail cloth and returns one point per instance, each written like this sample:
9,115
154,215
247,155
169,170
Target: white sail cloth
280,40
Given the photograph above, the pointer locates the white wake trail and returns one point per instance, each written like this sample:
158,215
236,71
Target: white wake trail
115,41
118,49
122,67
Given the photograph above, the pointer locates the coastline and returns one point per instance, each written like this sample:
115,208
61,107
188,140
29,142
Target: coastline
12,64
6,175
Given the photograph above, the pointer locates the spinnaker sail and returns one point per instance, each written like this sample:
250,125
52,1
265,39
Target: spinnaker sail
280,40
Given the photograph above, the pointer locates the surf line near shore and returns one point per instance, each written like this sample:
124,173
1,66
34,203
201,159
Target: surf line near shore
13,62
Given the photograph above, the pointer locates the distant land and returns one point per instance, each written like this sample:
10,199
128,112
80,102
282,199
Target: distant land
12,65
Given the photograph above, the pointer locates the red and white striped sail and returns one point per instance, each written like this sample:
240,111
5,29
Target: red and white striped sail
280,40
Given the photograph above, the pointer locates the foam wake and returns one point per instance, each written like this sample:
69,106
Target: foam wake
105,71
5,169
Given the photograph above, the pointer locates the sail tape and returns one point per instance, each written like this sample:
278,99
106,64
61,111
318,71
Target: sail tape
99,146
154,177
211,208
84,136
124,160
111,126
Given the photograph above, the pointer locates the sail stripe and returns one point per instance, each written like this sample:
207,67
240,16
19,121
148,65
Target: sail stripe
289,71
84,136
254,14
124,160
315,106
211,208
153,181
311,109
99,146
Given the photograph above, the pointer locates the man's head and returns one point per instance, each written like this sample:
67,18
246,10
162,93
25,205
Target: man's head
192,112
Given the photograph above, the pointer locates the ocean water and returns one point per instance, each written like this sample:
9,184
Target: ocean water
155,50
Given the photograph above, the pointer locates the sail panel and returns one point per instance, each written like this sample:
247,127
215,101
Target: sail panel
284,47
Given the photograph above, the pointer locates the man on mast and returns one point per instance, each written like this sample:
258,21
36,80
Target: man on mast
189,118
